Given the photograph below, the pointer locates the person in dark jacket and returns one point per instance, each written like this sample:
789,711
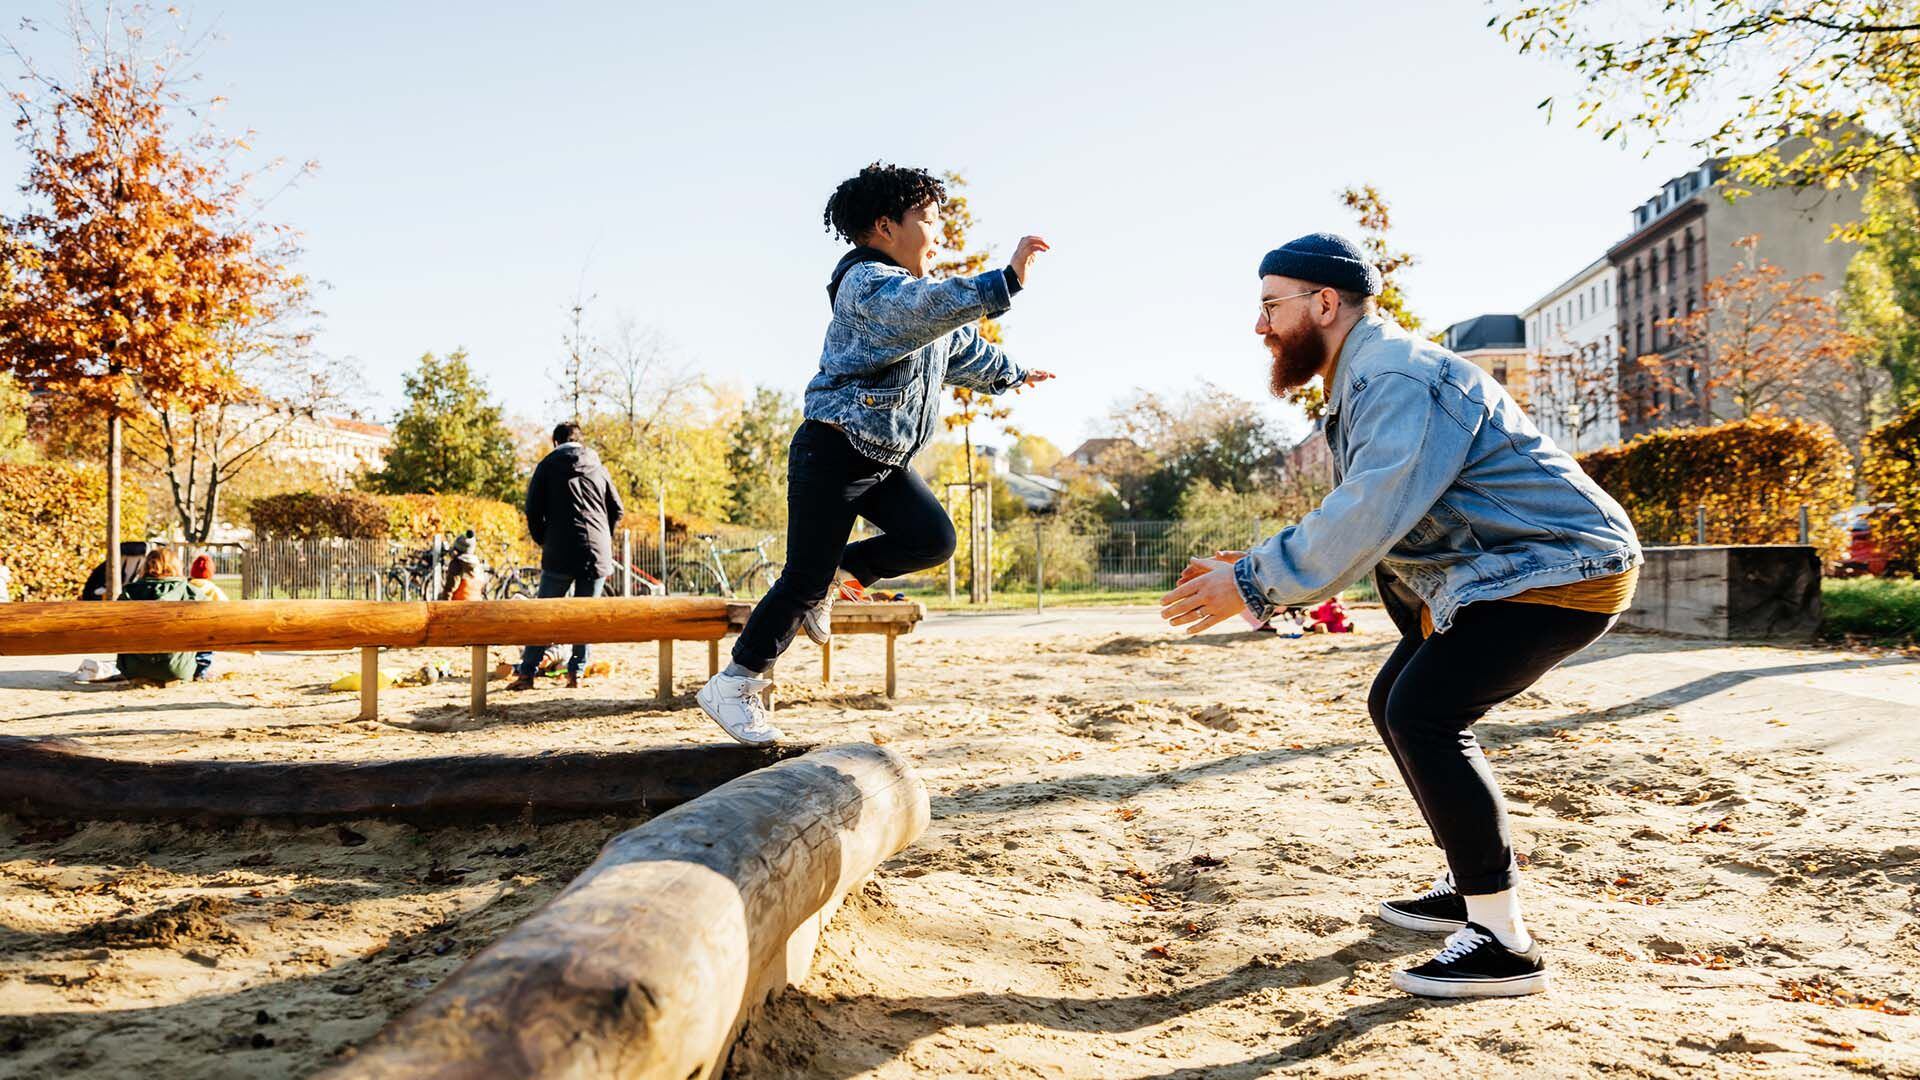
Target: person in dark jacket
572,510
162,581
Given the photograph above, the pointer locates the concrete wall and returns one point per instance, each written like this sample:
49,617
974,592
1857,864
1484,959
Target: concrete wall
1758,591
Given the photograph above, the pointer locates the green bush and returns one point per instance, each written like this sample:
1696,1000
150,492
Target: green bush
1752,476
54,519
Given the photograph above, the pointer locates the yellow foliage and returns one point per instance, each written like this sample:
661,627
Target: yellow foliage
1752,476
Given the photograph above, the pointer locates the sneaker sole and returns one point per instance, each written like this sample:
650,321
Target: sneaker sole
1409,921
1512,986
713,715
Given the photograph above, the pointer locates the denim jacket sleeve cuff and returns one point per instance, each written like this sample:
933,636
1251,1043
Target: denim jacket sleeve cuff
994,294
1257,603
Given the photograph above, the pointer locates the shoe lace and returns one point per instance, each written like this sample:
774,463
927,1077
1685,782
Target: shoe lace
1460,943
1441,887
748,690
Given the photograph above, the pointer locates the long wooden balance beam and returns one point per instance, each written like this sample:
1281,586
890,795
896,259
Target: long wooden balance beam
51,629
649,962
52,777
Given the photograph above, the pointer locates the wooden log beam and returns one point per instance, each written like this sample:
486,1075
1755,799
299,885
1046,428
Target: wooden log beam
53,629
573,619
64,779
649,962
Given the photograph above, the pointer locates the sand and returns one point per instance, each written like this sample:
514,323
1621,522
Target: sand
1151,857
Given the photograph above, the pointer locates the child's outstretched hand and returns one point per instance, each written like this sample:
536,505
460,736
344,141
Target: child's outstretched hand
1023,256
1035,378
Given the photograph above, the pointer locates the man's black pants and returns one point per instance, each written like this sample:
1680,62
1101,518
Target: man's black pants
1428,695
829,484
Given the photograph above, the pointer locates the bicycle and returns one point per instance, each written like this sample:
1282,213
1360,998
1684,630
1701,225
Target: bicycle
709,577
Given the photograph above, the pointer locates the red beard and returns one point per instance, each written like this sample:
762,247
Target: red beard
1299,352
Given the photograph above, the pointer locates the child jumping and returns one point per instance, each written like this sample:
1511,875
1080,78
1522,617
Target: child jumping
894,339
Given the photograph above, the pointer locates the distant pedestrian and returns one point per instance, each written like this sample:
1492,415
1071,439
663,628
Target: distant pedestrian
572,510
200,583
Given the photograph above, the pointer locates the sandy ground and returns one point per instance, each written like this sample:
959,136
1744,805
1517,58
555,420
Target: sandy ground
1150,857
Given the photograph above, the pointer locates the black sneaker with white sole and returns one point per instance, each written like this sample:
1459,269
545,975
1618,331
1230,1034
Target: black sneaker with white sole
1474,964
1438,910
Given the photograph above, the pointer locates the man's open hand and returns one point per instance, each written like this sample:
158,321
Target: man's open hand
1196,567
1206,596
1023,255
1035,378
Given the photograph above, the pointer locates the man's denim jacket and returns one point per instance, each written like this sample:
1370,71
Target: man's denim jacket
893,341
1442,480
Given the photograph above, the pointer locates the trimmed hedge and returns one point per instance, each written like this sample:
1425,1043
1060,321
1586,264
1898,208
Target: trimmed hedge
54,519
1752,476
411,520
1890,464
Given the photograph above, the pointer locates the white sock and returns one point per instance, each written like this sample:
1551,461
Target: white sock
1500,913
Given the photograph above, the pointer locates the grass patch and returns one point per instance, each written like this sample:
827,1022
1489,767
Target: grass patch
1885,610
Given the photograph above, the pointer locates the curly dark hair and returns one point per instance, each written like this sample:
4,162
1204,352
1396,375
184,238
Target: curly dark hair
881,190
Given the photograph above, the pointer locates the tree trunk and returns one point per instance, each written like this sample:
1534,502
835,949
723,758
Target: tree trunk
112,576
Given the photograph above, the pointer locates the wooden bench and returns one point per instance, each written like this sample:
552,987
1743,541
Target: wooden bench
51,629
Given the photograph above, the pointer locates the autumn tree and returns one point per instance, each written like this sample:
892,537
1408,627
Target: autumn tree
757,458
1791,92
956,221
138,258
1206,436
15,404
451,438
1761,341
1575,393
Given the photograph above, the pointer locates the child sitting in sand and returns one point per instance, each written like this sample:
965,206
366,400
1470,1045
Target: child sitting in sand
161,581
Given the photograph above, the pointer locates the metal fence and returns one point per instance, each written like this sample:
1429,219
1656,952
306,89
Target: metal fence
1035,555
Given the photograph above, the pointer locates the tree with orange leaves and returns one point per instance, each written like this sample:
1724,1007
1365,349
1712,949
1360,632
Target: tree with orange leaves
138,266
1761,343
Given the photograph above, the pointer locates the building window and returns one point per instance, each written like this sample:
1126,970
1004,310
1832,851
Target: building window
1603,290
1639,336
1653,270
1689,243
1690,300
1500,372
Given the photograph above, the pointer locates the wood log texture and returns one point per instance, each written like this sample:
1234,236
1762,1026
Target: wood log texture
51,629
51,777
649,962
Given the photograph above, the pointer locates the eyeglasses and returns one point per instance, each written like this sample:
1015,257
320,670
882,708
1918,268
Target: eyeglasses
1266,306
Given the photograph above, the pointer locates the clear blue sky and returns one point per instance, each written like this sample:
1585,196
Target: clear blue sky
473,158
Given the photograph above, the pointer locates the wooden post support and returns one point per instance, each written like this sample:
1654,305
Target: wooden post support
477,693
713,658
826,663
892,682
370,682
649,963
666,669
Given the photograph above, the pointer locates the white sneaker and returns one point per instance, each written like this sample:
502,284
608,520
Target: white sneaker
733,701
818,621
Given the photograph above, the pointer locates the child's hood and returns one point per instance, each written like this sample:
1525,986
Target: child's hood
850,260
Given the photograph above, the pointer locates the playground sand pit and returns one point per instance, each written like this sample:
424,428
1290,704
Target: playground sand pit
1150,857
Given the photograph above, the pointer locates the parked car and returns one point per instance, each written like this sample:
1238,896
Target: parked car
1864,557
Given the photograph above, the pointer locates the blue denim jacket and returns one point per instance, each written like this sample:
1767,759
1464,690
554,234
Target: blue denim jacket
894,340
1441,478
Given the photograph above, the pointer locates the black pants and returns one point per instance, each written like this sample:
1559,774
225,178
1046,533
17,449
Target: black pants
1429,693
829,483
